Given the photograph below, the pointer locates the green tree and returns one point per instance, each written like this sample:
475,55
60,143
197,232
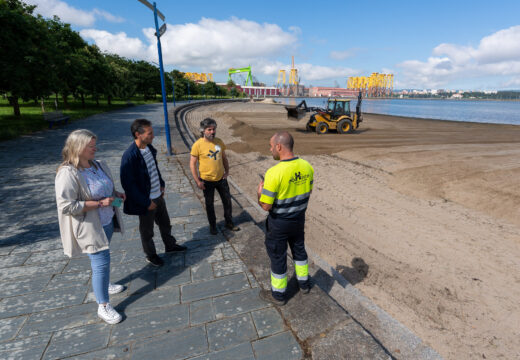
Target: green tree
120,82
66,45
180,84
211,88
95,79
26,55
147,78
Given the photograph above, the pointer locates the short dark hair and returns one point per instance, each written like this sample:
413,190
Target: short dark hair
285,139
138,126
206,123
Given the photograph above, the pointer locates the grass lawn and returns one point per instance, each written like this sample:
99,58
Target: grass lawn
32,118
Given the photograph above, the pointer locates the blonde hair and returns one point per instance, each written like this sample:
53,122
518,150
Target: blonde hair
76,142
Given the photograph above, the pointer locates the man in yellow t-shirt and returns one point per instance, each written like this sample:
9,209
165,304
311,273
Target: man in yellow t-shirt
213,169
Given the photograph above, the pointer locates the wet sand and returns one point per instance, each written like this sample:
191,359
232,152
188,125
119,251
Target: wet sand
422,216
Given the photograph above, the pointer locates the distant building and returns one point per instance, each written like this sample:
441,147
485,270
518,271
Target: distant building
331,92
260,91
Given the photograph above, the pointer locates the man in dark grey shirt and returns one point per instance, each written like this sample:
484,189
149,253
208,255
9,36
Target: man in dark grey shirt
144,188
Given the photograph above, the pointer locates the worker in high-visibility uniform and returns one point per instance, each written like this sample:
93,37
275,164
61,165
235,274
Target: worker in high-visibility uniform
285,193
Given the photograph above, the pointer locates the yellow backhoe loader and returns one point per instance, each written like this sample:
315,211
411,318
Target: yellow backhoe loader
337,116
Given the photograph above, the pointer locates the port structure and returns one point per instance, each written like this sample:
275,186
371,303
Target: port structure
199,77
375,85
281,76
292,89
249,78
293,75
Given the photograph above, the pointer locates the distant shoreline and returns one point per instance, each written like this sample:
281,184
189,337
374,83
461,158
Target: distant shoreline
386,98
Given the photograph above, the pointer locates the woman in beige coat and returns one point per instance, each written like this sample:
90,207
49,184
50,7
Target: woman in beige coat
88,213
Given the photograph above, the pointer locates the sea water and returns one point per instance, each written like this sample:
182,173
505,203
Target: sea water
488,111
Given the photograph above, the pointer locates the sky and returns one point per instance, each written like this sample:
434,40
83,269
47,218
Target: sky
452,45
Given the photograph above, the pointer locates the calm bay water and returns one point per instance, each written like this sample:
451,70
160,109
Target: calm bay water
496,112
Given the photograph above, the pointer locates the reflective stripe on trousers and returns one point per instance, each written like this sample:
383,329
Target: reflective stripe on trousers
279,282
302,270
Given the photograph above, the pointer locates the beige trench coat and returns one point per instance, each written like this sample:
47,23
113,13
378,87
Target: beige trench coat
81,232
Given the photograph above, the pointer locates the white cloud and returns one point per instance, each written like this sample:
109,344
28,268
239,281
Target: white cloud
69,14
312,72
512,83
497,55
219,44
116,43
215,46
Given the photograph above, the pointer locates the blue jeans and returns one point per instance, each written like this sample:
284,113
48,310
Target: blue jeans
100,264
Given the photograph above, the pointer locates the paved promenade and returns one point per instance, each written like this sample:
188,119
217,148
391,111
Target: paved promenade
201,305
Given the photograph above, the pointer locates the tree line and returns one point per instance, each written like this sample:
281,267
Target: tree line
42,57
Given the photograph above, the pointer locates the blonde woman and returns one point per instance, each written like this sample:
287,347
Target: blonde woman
88,213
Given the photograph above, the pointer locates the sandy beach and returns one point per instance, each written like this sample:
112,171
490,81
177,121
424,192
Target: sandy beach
422,216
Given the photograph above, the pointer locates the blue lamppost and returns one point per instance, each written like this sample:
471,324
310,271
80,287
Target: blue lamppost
158,33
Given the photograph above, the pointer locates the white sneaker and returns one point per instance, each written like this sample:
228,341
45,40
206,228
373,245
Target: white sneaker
109,314
115,288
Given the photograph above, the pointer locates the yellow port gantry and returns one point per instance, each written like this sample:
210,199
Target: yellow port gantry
202,77
374,85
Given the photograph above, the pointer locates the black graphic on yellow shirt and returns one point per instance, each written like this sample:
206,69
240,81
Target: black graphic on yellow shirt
213,154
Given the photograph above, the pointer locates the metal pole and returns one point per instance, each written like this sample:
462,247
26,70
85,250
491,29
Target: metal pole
166,123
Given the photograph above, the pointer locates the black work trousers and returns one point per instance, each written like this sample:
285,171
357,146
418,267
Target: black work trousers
281,232
209,196
160,216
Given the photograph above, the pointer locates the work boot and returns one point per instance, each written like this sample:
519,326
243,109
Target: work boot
175,248
267,295
213,230
232,227
305,287
155,260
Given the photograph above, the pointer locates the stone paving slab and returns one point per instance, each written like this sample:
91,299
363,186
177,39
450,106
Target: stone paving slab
23,286
29,348
277,347
232,331
151,323
13,259
9,328
215,287
238,303
59,319
268,322
76,341
175,345
241,352
202,311
41,301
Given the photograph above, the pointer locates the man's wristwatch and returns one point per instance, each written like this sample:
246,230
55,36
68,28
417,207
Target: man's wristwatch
99,204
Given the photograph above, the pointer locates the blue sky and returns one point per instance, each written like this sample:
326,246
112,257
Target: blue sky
439,44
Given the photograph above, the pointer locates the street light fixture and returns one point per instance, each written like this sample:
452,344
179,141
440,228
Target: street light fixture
158,33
